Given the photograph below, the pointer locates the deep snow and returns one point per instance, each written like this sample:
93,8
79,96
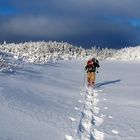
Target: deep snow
49,102
120,101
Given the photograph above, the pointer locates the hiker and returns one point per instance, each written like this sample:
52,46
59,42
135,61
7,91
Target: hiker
90,67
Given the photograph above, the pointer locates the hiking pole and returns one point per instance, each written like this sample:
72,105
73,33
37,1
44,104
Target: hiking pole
84,79
82,88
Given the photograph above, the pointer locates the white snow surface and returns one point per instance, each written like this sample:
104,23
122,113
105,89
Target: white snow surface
52,102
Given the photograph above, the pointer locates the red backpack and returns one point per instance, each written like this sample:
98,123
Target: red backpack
90,62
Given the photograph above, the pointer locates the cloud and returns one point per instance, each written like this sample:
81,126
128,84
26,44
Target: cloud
125,8
39,26
83,22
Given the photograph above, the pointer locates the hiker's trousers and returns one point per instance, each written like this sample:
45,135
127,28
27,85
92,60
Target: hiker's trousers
91,78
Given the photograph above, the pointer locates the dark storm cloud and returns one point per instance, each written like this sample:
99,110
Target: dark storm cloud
109,23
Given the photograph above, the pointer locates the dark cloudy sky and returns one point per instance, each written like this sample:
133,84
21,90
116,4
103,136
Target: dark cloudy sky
106,23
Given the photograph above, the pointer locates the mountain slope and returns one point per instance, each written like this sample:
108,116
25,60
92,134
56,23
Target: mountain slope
47,102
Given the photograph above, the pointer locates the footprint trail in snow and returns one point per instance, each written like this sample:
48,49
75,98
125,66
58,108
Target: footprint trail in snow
89,117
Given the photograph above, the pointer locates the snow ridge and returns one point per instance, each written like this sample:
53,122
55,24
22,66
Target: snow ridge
89,118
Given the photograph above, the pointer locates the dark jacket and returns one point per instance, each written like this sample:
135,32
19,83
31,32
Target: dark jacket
92,68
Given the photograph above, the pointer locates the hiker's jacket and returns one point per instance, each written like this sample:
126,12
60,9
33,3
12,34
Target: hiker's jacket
92,67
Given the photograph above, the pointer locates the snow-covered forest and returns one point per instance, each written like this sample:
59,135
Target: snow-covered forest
42,52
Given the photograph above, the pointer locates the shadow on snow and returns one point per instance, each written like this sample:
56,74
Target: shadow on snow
106,83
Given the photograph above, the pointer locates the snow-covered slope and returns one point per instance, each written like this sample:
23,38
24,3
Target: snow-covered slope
36,102
119,101
49,102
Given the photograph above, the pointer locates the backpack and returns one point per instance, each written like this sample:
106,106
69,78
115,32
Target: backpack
95,60
90,62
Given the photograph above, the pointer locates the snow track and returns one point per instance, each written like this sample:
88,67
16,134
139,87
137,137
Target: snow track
89,117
